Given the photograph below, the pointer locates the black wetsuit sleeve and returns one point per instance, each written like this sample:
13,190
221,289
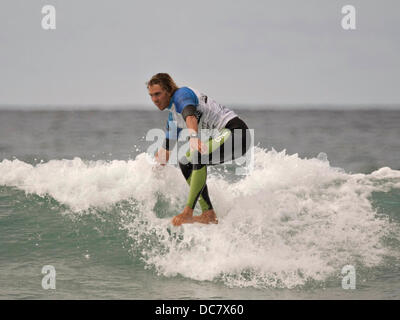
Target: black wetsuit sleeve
189,110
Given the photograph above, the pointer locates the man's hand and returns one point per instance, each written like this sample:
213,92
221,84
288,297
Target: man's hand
162,156
197,144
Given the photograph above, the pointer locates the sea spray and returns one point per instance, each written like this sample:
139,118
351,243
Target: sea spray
289,222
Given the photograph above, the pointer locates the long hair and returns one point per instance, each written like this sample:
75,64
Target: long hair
165,81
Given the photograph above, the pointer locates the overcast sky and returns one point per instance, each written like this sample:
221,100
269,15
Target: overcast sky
239,52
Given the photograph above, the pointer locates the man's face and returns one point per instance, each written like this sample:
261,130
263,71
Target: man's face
159,96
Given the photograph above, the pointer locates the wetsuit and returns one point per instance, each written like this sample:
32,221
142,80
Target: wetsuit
231,141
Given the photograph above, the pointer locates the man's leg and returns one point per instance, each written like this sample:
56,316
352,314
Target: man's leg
197,184
197,181
204,200
198,177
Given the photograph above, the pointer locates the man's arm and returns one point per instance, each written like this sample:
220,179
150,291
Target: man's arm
162,156
195,143
192,125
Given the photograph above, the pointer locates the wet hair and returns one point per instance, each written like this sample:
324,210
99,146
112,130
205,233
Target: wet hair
165,81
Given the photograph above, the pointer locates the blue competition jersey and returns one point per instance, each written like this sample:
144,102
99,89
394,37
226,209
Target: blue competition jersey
209,113
181,98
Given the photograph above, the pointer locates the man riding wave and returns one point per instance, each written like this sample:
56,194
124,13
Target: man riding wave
191,109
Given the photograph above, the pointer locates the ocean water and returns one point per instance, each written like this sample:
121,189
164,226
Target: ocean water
79,192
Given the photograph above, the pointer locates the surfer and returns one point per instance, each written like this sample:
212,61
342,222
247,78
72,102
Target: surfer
191,109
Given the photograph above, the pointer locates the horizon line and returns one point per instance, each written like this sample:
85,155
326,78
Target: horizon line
148,107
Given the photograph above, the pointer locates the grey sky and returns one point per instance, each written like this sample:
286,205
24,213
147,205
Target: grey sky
238,52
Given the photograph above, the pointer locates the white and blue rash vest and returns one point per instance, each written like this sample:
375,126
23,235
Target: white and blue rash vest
209,113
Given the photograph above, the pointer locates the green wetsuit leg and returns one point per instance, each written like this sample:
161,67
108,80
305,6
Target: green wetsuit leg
197,184
204,199
199,174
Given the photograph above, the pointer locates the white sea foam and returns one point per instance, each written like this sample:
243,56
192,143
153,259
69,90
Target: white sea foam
84,184
291,220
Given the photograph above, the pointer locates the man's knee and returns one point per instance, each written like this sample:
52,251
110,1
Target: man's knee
198,166
186,168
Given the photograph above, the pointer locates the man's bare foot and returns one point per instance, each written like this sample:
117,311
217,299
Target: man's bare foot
206,217
185,217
